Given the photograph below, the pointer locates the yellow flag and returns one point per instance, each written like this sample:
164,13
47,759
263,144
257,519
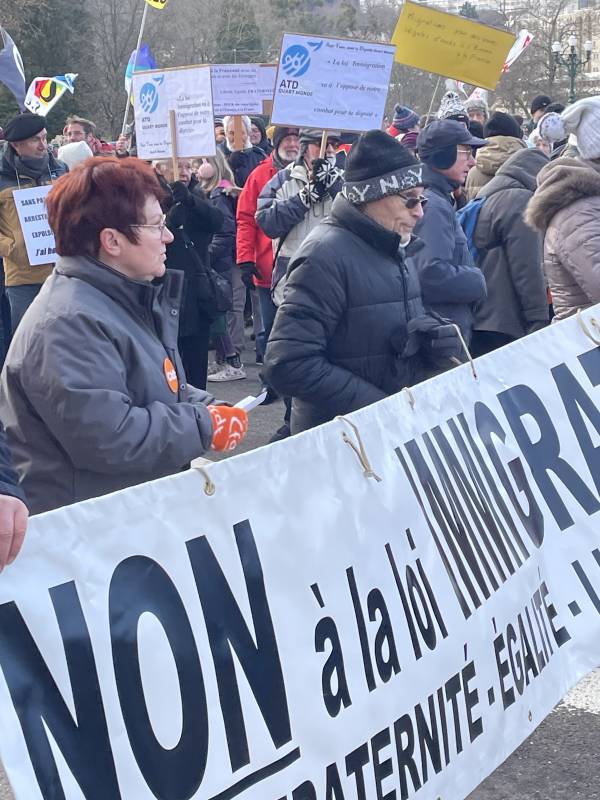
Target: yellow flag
157,3
450,45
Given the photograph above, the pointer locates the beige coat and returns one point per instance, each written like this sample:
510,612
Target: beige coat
488,161
566,208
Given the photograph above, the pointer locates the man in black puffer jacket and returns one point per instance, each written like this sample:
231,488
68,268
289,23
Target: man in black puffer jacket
351,329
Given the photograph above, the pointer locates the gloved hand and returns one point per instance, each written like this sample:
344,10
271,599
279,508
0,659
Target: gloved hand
181,194
310,195
537,325
249,271
433,336
325,174
230,425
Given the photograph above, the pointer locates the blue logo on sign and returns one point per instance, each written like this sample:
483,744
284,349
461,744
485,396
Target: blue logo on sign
296,60
149,98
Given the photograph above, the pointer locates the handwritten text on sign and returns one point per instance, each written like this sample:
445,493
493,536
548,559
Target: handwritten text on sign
337,84
451,45
187,90
31,210
393,639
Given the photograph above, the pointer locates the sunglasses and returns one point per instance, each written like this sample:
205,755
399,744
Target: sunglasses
412,202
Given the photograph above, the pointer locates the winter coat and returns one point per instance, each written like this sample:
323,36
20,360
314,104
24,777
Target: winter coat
264,144
510,252
193,227
286,218
338,336
242,162
221,250
488,161
17,269
450,283
566,208
9,480
252,245
87,394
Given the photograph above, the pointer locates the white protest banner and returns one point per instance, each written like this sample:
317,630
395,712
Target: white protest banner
267,75
187,91
334,84
320,634
235,89
31,210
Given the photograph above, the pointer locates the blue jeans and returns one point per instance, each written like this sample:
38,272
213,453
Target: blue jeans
268,310
20,298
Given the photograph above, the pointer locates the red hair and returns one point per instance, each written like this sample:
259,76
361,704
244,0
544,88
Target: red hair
99,193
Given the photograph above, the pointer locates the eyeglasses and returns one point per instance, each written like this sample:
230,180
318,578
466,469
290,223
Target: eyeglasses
413,202
160,227
467,151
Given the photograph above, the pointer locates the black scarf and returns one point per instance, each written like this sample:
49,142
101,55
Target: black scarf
35,168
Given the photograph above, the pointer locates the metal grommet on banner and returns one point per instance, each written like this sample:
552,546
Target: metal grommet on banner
409,396
209,486
586,330
466,349
360,450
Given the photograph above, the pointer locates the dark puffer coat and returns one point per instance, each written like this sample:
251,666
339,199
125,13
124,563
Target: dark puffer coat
510,252
336,343
451,284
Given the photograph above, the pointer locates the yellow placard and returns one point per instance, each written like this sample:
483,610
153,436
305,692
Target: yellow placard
451,45
157,3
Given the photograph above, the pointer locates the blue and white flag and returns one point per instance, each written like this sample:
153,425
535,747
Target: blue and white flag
12,74
144,60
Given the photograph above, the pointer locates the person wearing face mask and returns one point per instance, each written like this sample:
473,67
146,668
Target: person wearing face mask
25,164
242,159
254,251
351,329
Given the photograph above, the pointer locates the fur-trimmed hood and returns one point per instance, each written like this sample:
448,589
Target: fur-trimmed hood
560,184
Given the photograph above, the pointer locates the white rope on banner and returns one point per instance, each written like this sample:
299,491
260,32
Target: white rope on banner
586,330
466,349
409,396
209,486
360,450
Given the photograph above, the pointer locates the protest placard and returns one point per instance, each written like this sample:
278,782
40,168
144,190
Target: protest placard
31,210
185,90
331,83
267,75
451,45
319,630
235,89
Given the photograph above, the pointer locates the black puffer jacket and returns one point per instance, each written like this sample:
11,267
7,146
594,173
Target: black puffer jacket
510,253
338,335
243,162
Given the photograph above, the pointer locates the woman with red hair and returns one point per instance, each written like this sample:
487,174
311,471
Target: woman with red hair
93,394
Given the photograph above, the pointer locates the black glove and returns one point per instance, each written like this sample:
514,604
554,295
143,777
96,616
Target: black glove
319,176
181,194
537,325
434,337
249,271
176,217
326,174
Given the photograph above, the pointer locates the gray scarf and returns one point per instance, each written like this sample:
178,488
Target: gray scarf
35,168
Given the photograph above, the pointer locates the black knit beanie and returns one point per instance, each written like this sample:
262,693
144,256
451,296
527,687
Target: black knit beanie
501,124
280,134
377,166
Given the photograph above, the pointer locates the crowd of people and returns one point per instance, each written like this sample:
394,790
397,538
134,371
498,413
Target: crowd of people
366,264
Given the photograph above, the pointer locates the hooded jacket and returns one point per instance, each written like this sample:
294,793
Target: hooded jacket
339,334
87,395
510,252
566,208
488,161
17,269
450,283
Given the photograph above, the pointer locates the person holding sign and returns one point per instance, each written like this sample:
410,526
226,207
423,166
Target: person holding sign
94,396
351,329
25,163
242,155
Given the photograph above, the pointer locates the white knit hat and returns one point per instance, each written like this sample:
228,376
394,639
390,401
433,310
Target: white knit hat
73,153
551,128
583,119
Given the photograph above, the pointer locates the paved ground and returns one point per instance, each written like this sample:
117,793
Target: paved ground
558,762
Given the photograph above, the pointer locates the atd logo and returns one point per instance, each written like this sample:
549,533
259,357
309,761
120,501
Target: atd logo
296,59
149,98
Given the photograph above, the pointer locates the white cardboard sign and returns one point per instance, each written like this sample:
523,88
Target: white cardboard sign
235,89
319,630
335,84
187,91
31,210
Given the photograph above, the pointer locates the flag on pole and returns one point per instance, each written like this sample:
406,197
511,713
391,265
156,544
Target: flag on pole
12,74
157,3
44,93
145,60
479,94
522,42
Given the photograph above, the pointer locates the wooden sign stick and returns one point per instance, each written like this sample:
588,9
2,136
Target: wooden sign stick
323,145
173,125
238,132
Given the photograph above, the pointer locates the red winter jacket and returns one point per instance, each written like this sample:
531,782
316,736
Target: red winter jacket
251,242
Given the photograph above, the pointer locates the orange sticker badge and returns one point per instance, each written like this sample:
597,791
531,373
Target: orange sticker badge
170,375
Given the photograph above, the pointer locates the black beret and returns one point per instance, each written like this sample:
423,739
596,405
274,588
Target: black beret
23,127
